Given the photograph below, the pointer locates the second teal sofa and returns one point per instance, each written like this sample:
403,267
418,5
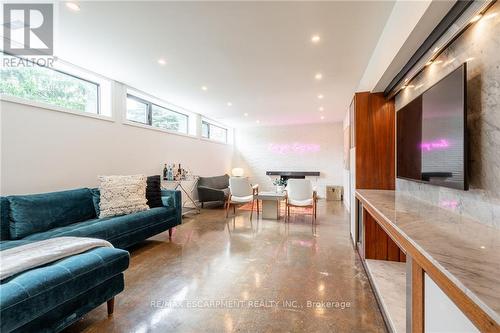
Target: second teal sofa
52,297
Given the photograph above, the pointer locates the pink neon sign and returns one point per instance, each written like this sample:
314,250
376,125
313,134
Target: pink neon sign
451,204
285,148
435,145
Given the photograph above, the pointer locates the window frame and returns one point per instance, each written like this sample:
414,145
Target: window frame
210,124
49,105
149,115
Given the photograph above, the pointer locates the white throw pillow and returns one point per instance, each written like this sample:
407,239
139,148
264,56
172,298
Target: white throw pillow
121,195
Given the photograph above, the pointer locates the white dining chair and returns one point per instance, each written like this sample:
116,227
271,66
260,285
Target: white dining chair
300,193
241,192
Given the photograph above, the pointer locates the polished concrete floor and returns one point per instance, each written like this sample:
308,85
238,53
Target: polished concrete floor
237,275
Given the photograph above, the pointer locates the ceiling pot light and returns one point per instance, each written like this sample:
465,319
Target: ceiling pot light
204,88
320,96
162,62
245,114
321,108
476,18
229,104
318,76
73,6
257,121
315,39
322,117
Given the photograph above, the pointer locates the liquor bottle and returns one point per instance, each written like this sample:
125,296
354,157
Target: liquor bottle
165,172
170,173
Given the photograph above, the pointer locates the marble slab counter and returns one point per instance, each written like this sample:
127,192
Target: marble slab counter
464,250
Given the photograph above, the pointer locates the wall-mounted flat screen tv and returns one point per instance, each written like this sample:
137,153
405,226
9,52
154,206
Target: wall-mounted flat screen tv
431,134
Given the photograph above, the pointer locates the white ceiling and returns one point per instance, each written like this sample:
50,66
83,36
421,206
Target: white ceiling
256,55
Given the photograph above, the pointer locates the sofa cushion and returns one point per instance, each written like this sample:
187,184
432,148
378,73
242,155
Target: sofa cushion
8,244
96,199
111,228
122,195
29,214
4,219
30,294
153,191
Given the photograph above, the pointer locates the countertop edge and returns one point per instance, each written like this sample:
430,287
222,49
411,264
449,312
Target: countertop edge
470,294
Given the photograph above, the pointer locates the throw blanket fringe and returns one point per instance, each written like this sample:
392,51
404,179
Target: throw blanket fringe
24,257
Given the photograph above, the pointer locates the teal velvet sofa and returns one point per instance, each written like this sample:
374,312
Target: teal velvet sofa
51,297
54,296
74,213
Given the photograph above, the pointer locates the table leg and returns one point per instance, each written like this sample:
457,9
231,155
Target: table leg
188,195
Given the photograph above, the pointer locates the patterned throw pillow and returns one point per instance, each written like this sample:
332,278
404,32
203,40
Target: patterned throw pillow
121,195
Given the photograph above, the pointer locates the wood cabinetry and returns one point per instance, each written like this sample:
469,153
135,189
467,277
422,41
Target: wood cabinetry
374,140
372,124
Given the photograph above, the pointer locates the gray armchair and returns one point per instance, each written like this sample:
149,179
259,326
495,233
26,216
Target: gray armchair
213,189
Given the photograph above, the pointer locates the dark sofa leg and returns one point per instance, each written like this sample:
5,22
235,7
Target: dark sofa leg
111,306
170,234
202,205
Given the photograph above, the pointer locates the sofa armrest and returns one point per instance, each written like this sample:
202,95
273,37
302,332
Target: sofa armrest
206,193
173,198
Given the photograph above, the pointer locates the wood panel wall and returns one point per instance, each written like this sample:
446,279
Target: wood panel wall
377,244
375,141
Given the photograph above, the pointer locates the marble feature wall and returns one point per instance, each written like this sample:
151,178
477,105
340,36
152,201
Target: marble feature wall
479,46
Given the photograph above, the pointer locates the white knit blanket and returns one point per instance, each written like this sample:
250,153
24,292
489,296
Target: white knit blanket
24,257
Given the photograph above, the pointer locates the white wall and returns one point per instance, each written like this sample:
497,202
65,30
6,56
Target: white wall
254,154
46,150
346,172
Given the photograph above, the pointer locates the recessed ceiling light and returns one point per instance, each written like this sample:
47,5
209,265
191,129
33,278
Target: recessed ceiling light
321,108
315,39
73,6
245,114
449,62
229,104
162,62
487,17
257,121
318,76
204,88
322,117
320,96
476,18
483,247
